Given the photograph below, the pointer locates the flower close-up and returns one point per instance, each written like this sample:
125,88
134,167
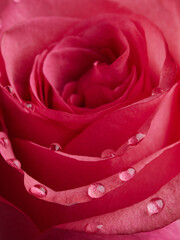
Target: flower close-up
89,119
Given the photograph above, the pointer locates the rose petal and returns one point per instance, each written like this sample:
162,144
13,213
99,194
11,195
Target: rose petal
135,218
116,131
15,224
170,232
163,14
30,38
28,123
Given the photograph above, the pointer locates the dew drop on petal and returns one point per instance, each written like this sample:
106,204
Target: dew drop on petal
136,139
55,147
93,227
4,142
108,153
28,106
157,91
127,174
95,63
155,206
96,190
38,191
9,89
17,1
14,163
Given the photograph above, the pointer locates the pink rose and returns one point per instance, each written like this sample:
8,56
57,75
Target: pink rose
89,119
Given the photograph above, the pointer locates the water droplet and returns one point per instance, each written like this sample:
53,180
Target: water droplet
95,63
9,89
108,153
28,107
127,174
136,139
93,227
38,191
157,91
17,1
4,142
55,147
96,190
14,163
155,206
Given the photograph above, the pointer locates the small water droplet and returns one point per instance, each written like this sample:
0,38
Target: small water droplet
14,163
38,191
95,63
55,147
17,1
9,89
155,206
136,139
157,91
28,106
4,142
127,174
108,153
96,190
93,227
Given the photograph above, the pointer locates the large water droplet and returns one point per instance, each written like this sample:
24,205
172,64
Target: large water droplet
9,89
96,190
93,227
127,174
38,191
155,206
55,147
157,91
136,139
14,163
4,142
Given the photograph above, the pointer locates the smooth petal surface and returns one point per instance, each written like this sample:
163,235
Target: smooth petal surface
90,119
14,224
170,232
21,44
164,14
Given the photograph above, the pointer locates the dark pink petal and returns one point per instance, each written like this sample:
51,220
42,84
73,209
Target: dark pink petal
14,224
42,92
161,132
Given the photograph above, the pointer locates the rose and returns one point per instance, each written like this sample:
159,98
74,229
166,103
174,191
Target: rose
90,77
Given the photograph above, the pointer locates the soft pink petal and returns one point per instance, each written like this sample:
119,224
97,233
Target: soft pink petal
170,232
22,43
